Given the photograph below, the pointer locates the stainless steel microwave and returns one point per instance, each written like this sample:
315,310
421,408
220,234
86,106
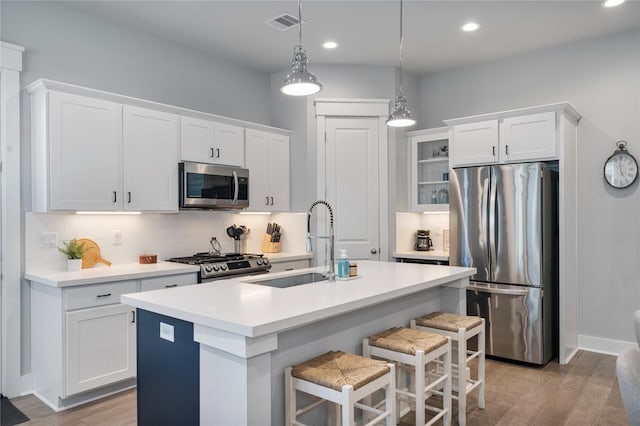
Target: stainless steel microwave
209,186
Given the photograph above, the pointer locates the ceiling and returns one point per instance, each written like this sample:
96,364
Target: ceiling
368,31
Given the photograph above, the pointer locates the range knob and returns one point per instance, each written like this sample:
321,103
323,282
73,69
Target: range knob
215,268
208,268
259,262
223,267
265,261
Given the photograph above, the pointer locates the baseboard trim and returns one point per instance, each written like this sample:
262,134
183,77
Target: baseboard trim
603,345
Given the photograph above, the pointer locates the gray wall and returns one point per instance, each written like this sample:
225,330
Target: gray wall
65,44
601,78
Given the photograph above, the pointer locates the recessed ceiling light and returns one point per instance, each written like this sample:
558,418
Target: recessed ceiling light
470,27
612,3
330,45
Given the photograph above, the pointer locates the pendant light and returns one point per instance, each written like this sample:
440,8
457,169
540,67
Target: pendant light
401,116
300,82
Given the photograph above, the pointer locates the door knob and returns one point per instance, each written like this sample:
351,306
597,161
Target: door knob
374,251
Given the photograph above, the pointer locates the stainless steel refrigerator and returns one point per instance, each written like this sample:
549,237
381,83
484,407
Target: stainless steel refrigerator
503,222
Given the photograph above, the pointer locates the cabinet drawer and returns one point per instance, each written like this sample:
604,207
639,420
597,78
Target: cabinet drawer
158,283
288,266
97,294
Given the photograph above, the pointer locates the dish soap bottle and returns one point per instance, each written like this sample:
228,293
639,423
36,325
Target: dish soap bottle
343,264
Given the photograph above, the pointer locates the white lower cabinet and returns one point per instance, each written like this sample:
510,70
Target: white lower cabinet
101,347
83,340
289,265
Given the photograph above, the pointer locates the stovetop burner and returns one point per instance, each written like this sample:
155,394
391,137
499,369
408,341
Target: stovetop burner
214,266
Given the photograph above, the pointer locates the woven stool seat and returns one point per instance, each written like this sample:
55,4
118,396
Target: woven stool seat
336,369
447,321
407,340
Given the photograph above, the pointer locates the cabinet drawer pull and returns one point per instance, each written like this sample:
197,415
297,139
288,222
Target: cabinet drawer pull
133,317
289,269
115,196
171,285
103,295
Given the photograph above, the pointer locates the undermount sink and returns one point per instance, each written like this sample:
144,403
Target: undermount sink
293,280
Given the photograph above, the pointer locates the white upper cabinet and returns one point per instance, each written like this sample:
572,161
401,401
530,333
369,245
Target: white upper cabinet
150,141
103,152
268,162
429,169
529,134
205,141
475,143
84,147
528,137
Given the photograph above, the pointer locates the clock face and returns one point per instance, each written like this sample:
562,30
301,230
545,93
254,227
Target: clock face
621,170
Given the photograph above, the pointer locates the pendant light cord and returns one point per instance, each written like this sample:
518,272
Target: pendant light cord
299,22
401,38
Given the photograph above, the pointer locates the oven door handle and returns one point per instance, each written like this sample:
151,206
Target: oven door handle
235,186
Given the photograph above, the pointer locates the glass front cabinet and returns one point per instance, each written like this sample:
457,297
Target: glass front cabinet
429,168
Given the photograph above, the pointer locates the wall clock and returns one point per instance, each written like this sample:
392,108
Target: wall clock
621,168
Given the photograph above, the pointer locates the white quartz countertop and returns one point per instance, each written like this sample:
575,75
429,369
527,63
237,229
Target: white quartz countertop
239,307
426,255
287,257
101,274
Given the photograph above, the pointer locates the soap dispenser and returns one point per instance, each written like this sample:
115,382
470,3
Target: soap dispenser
343,264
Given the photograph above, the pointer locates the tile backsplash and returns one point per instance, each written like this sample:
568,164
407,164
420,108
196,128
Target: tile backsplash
408,223
167,235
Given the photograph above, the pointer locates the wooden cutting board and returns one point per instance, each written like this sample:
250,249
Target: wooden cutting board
91,255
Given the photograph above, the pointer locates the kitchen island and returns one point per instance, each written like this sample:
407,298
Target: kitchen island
248,333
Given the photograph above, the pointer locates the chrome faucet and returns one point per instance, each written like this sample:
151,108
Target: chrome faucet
331,274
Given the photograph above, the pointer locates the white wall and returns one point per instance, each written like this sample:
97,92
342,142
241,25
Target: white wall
601,78
167,235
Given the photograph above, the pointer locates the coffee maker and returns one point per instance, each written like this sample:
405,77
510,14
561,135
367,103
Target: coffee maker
423,241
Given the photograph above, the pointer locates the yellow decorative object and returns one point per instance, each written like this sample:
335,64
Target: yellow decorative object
91,254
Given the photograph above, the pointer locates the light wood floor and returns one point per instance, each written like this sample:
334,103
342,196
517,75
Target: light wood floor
584,392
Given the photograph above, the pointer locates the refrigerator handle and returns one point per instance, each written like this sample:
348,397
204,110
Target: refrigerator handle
492,225
485,222
522,292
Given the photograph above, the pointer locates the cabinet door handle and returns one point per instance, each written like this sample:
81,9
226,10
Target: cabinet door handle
171,285
129,193
271,200
133,317
493,150
506,149
211,152
103,295
267,203
218,152
115,196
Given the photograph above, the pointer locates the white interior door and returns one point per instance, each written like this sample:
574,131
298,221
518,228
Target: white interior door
353,184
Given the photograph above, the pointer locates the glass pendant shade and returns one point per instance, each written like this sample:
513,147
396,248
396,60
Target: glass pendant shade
300,82
401,116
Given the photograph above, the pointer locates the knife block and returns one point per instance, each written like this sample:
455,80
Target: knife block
268,246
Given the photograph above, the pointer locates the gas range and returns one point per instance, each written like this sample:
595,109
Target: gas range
216,266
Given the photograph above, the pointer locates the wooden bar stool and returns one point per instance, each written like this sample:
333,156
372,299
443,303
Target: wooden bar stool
460,329
413,350
343,379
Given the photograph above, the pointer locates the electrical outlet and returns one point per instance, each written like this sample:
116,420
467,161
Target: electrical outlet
166,331
48,239
117,237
